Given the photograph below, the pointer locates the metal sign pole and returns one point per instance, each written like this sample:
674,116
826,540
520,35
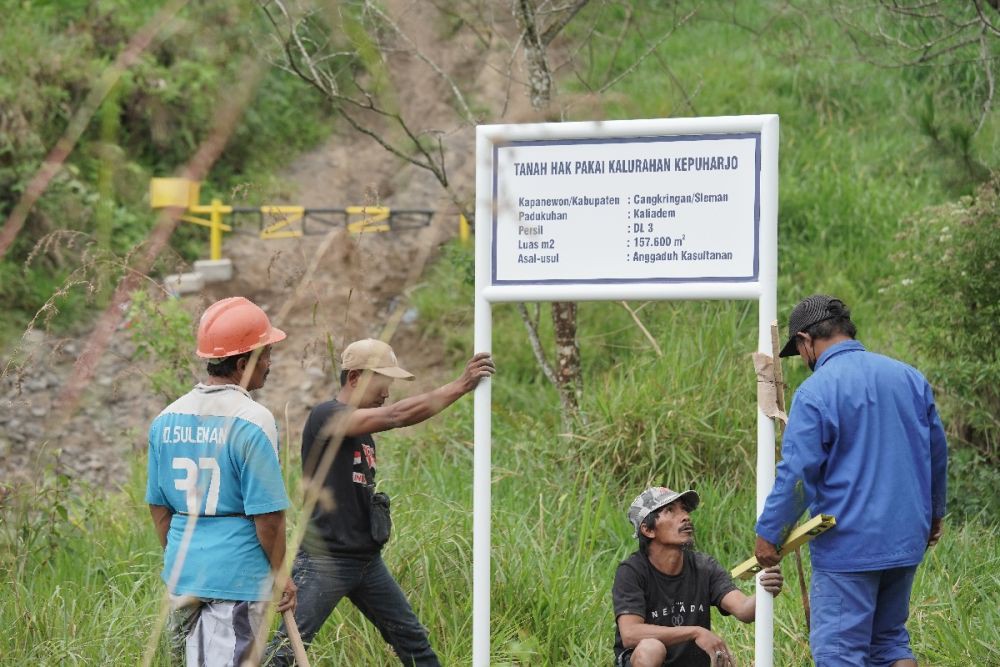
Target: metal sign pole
482,427
767,312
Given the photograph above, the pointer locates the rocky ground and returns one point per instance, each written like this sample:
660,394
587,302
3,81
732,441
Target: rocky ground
358,286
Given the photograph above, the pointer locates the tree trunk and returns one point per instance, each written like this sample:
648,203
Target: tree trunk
568,377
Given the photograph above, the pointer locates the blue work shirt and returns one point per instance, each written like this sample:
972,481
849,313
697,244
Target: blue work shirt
864,443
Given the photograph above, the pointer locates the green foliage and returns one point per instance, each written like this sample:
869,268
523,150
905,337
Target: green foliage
156,115
35,520
946,54
82,589
949,259
556,541
462,260
163,333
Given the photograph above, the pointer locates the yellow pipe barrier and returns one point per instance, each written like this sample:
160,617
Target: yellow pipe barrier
374,219
215,224
184,193
289,214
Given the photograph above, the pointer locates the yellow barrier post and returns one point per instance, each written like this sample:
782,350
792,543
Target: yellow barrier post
184,193
463,229
214,223
216,217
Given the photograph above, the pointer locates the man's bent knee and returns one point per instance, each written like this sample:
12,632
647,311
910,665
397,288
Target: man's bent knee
649,653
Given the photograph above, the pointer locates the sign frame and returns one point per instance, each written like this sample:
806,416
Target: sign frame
763,289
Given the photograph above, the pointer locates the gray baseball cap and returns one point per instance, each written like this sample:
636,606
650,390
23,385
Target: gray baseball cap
811,310
653,499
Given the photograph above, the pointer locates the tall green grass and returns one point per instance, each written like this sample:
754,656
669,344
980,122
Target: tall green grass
92,596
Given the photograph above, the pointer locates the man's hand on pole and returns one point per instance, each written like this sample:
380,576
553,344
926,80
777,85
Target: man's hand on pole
772,581
289,597
479,367
766,553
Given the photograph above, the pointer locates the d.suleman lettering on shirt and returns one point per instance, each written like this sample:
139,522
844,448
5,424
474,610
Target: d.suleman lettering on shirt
195,435
224,402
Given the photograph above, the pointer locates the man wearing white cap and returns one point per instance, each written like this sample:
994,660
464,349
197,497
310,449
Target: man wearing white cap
341,551
663,593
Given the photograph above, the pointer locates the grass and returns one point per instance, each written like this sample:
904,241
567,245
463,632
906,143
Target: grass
88,590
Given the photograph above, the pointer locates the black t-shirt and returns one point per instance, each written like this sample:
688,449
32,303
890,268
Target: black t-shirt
340,524
661,599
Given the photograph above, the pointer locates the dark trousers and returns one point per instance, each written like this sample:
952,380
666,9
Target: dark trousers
324,580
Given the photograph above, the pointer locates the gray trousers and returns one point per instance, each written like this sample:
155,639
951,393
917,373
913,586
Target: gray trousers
213,633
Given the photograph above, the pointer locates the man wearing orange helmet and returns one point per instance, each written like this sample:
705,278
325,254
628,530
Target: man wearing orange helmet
216,494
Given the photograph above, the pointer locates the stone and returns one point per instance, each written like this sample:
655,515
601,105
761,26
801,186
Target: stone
214,270
183,283
37,383
410,316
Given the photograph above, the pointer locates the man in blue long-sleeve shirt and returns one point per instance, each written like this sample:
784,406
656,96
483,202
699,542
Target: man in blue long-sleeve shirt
865,444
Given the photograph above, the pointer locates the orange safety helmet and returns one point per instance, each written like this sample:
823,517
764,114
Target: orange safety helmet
234,326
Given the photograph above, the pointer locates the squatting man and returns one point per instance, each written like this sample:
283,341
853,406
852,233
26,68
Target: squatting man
663,593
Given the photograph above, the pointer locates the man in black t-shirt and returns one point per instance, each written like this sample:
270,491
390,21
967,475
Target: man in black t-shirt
341,552
663,593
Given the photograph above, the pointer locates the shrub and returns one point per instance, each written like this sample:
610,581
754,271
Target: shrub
151,122
163,332
947,286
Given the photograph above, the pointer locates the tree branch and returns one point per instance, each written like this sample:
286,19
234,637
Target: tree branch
561,22
539,77
642,327
536,344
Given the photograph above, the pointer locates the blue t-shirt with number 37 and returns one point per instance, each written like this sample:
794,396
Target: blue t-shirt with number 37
213,461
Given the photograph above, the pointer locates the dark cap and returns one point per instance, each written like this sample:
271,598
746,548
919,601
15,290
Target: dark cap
811,310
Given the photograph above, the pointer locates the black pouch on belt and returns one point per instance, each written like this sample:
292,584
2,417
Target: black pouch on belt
381,522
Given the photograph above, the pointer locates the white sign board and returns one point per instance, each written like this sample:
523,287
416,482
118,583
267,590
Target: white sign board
619,210
639,209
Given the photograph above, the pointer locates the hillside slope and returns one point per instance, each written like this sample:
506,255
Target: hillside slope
358,284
